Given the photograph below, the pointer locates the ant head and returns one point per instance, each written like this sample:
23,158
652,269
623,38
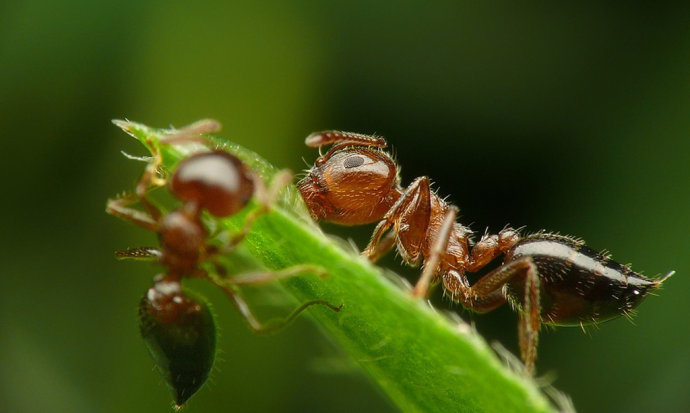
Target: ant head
215,181
350,185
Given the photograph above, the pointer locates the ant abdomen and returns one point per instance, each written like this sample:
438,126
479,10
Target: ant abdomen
180,333
577,285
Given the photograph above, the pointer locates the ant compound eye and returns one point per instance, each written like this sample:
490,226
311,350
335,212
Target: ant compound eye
217,181
353,162
180,334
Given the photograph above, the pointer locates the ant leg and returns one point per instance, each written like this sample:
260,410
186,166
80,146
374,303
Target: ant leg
382,247
228,285
482,296
376,248
140,253
528,326
438,250
190,132
224,281
264,277
274,325
119,208
149,179
267,197
340,141
260,277
509,271
410,218
319,139
458,290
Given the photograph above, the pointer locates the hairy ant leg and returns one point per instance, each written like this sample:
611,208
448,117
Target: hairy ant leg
319,139
486,294
409,217
341,140
120,208
140,254
385,244
377,247
438,250
530,320
483,303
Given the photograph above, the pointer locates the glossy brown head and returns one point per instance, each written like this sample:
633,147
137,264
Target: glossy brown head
350,185
215,181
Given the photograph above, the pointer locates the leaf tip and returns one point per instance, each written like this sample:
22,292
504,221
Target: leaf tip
125,125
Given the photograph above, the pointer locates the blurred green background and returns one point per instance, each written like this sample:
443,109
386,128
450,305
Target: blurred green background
568,117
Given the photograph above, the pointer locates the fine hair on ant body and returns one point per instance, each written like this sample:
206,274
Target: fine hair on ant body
551,279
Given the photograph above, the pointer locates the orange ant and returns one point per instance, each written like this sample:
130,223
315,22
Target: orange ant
551,279
219,183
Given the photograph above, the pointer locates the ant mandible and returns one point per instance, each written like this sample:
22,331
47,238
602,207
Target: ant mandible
219,183
551,279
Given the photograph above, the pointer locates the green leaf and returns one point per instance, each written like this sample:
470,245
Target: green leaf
422,359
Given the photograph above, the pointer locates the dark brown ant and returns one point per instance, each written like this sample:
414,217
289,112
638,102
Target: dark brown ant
551,279
216,182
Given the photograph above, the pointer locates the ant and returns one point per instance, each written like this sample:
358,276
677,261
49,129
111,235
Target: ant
551,279
219,183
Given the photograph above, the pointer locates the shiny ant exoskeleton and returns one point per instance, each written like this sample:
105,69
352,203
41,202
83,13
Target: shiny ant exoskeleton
551,279
179,328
